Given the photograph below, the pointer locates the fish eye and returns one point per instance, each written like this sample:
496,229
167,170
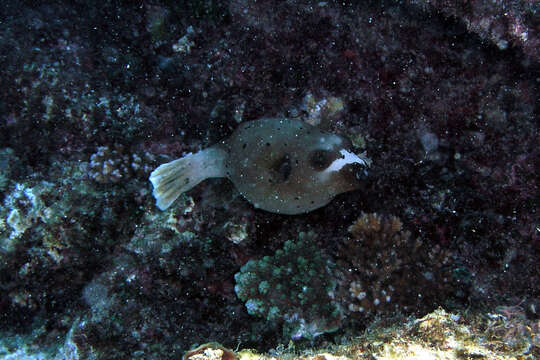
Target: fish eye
281,169
320,159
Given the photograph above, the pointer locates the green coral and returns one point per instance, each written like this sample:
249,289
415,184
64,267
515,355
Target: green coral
294,286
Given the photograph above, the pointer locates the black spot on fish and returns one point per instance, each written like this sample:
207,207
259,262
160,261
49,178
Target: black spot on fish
319,159
282,169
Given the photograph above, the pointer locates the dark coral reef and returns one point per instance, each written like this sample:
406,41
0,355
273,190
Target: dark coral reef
441,95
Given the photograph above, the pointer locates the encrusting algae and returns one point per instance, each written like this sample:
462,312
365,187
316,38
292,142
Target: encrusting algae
437,336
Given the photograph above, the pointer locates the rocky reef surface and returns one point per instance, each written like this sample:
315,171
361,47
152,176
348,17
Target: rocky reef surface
442,96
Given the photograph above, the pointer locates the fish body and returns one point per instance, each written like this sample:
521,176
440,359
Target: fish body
280,165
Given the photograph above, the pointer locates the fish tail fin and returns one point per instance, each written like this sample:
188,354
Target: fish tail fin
172,179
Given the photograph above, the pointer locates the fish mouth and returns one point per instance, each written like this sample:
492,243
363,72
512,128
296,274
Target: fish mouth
356,165
357,171
361,174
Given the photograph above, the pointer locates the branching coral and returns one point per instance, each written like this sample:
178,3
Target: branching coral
379,239
114,165
385,270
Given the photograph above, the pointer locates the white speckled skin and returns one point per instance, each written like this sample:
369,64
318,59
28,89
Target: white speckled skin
270,164
280,165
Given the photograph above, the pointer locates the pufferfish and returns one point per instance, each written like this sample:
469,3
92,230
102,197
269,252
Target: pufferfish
280,165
